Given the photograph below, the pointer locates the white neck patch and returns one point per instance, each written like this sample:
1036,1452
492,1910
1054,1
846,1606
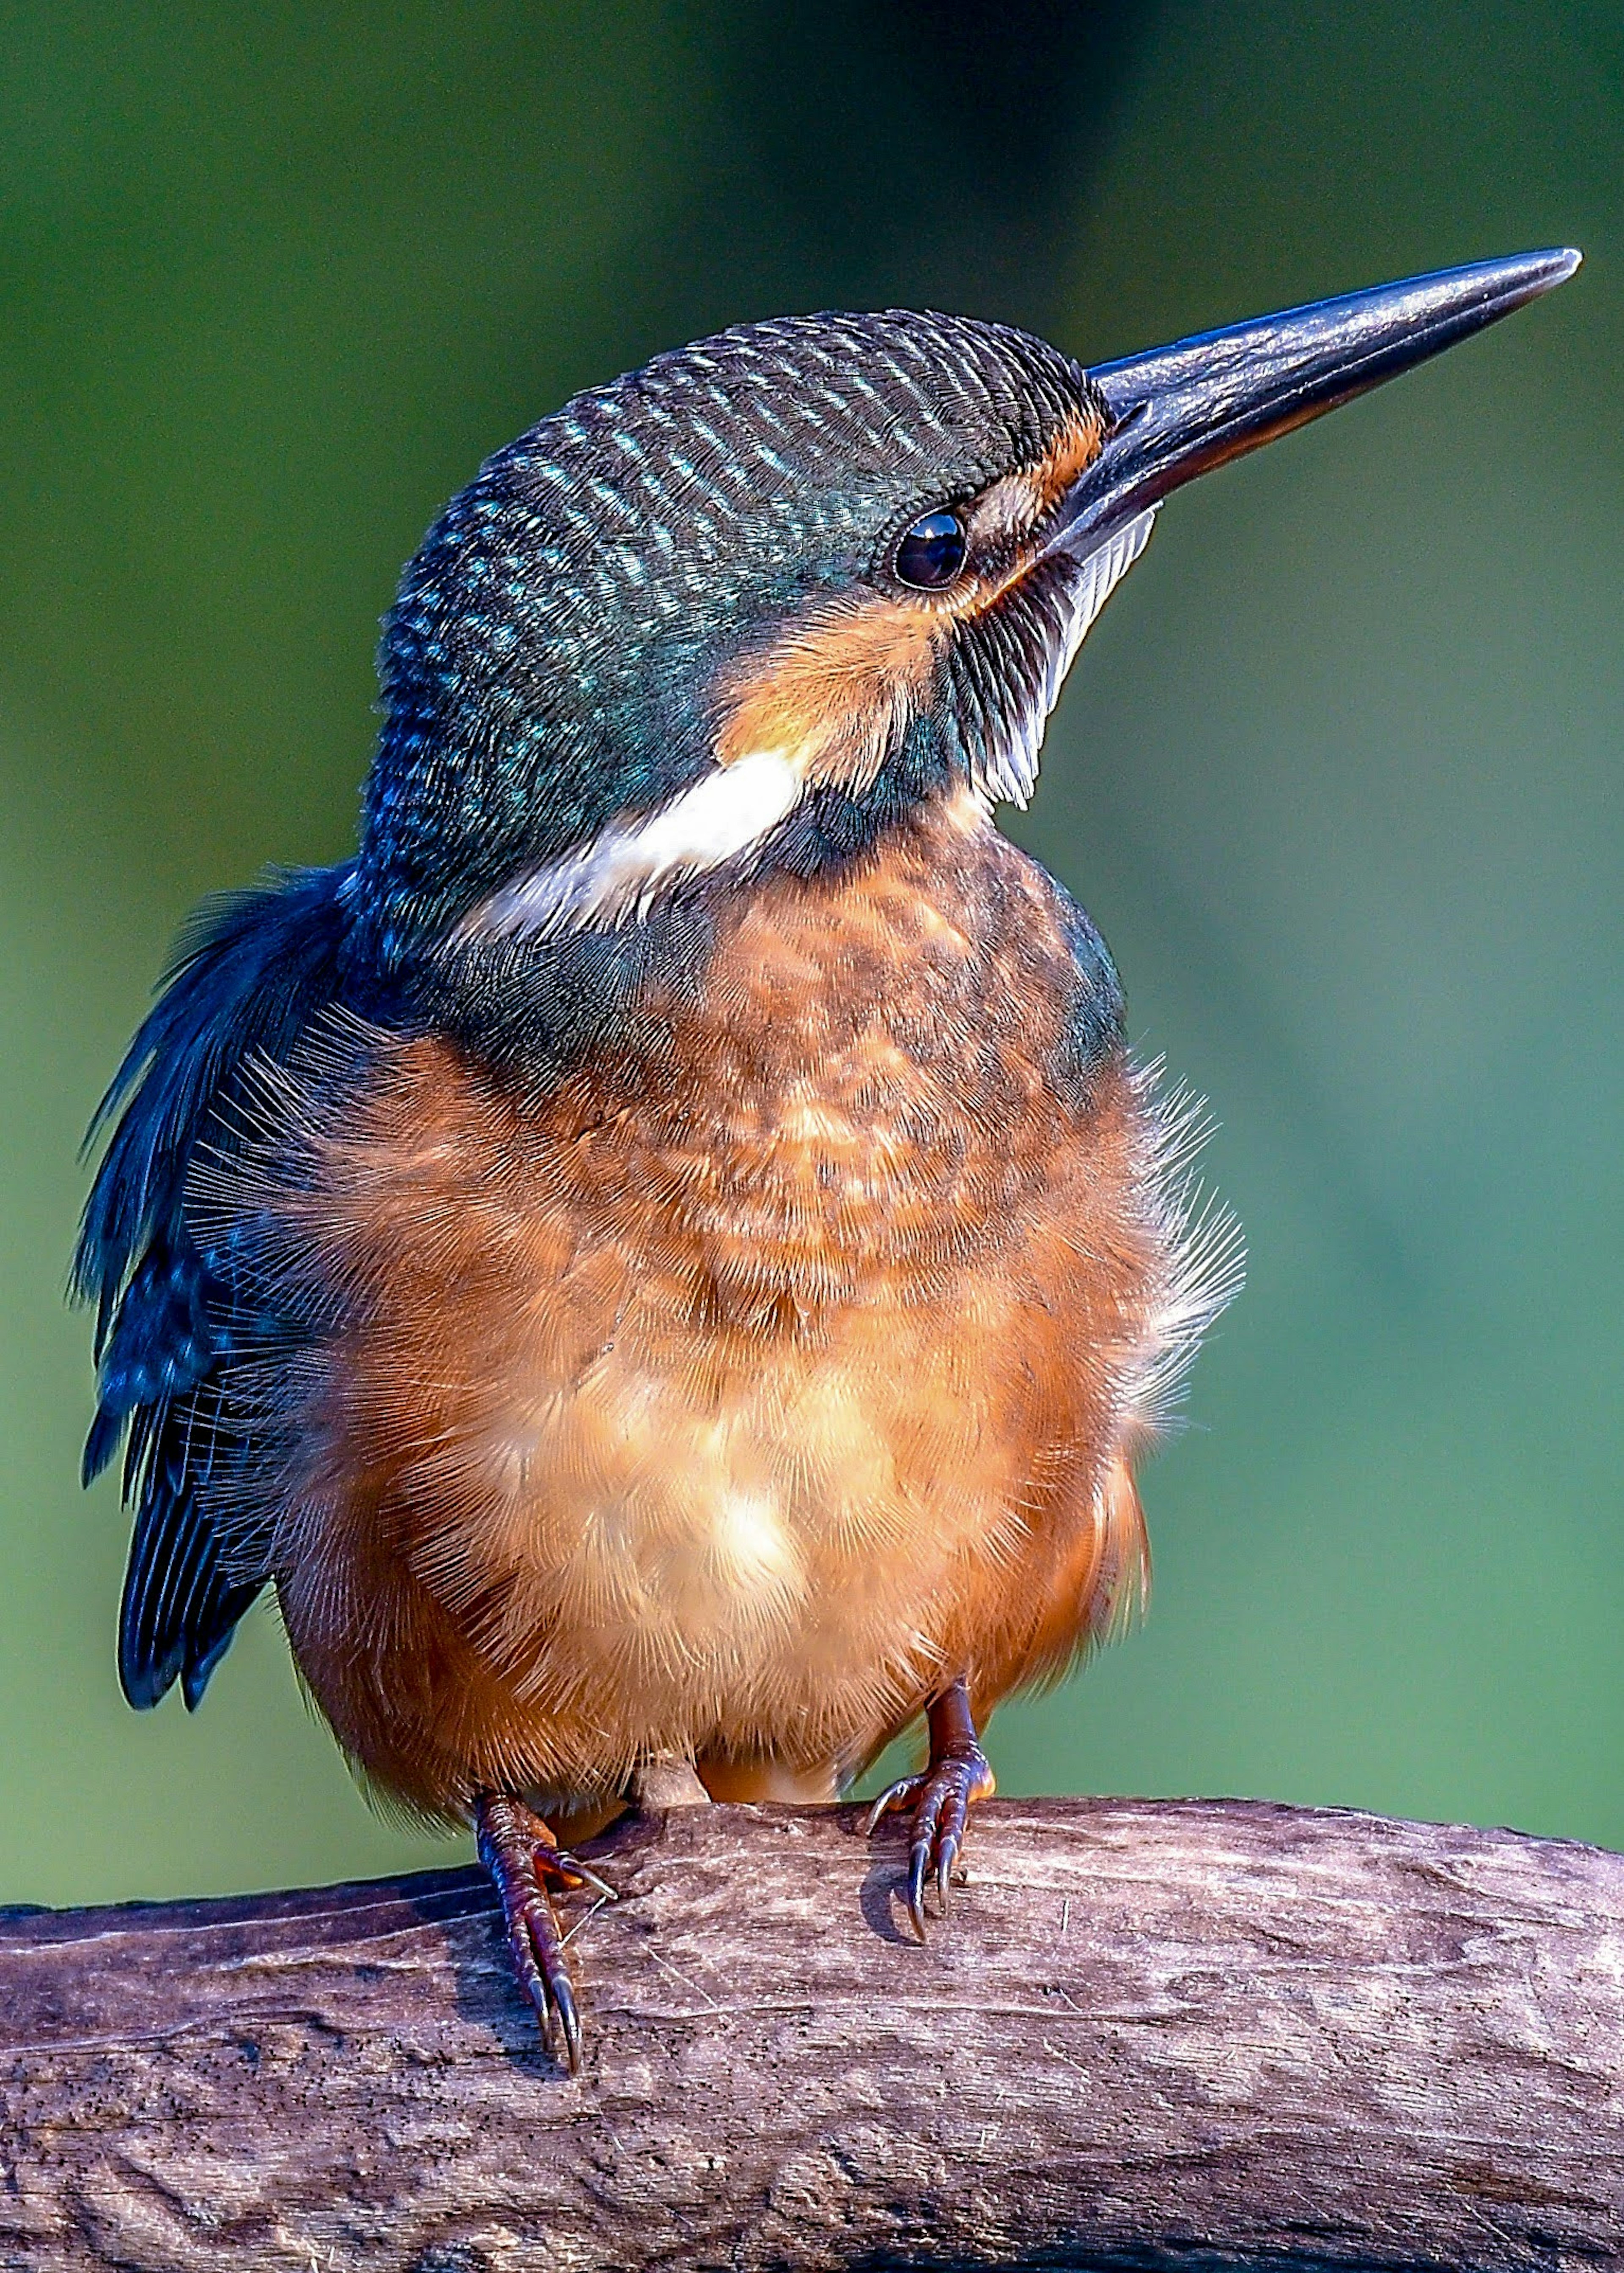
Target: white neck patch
616,878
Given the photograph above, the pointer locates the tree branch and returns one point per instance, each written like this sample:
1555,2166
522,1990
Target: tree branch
1186,2031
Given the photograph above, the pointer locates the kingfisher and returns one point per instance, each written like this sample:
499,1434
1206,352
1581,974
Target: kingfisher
664,1256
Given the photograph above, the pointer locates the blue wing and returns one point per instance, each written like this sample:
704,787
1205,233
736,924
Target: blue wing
252,972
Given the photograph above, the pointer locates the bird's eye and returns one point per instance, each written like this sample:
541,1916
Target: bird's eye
932,552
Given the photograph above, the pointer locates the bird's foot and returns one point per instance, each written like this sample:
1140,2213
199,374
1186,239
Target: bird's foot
940,1797
526,1863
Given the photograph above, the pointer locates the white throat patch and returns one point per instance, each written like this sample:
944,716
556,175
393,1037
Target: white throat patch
615,879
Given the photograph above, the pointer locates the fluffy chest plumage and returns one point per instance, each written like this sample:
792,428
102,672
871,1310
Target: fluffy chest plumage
721,1399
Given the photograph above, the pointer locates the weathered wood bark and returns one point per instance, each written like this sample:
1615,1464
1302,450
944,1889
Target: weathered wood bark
1193,2032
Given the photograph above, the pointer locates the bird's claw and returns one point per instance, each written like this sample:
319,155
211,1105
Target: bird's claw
568,1871
525,1862
941,1797
538,1949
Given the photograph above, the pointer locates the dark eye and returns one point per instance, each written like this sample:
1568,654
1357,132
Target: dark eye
932,552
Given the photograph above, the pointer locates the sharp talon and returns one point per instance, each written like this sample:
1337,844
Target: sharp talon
569,2020
536,1989
570,1871
918,1863
893,1796
945,1860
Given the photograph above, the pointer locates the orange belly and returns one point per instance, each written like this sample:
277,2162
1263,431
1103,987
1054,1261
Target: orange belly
731,1397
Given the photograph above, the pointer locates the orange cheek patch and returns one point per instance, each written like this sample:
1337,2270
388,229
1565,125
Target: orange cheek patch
837,692
1072,452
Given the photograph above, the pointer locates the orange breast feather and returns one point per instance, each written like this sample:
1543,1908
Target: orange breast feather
745,1388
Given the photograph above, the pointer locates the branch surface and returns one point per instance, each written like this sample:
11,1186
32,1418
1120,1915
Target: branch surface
1197,2032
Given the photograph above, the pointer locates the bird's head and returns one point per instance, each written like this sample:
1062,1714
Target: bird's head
744,607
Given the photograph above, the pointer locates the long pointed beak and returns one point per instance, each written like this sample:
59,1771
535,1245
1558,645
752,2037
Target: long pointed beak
1179,411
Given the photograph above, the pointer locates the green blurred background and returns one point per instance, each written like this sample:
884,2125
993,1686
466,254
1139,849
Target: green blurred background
1337,773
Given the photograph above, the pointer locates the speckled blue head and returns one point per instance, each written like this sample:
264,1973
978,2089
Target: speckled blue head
566,642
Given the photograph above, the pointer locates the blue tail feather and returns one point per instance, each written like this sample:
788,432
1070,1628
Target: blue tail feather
252,974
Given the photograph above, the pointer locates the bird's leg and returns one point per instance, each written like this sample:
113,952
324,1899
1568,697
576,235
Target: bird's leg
666,1780
941,1795
525,1861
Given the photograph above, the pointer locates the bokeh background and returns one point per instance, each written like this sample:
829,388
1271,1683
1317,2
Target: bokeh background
1338,772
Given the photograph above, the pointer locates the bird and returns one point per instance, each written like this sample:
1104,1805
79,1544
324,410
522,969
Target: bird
666,1255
